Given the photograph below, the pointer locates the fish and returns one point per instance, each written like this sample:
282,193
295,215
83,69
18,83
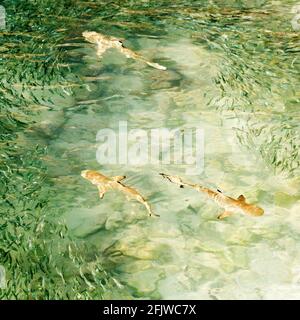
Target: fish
105,42
230,205
105,184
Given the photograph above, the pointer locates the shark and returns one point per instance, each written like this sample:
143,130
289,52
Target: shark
104,184
230,205
105,42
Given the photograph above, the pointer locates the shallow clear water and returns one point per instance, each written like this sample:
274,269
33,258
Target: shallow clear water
233,70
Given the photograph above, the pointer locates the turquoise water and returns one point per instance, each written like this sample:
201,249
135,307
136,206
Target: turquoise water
233,71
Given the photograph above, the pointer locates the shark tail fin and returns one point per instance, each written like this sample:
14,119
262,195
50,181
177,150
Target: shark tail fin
156,65
118,178
148,207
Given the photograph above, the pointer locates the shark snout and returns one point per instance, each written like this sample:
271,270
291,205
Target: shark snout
257,211
90,36
253,210
84,173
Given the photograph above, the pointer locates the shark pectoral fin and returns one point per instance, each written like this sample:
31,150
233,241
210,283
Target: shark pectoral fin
118,178
100,52
101,192
225,214
241,198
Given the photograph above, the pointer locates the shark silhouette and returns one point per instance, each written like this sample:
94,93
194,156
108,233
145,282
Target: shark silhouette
104,43
230,205
105,184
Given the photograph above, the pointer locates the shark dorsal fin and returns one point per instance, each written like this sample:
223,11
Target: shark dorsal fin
241,198
118,178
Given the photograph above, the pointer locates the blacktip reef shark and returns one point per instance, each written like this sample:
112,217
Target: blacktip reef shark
230,205
104,43
105,183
